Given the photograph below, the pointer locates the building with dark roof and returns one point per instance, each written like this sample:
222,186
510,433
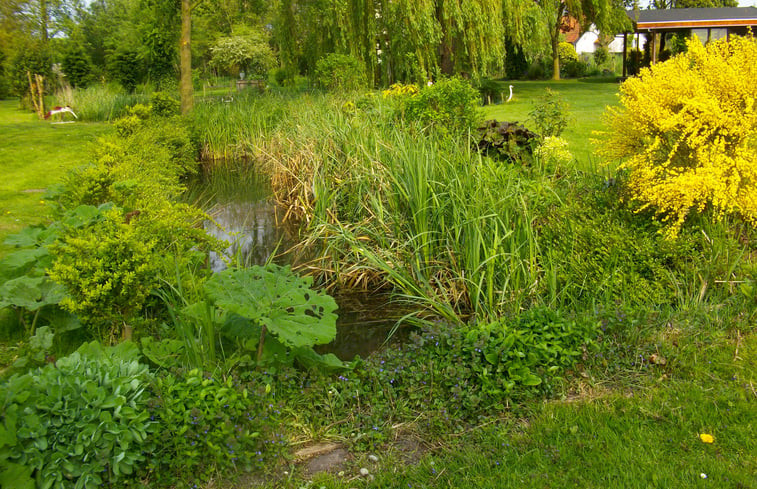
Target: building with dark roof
706,23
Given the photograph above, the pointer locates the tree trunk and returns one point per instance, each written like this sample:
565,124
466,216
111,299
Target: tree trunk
43,20
446,60
555,57
185,58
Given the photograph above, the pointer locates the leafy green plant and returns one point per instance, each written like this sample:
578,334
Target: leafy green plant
450,105
77,424
164,104
273,300
26,286
207,426
35,352
479,367
340,72
508,141
447,375
549,114
278,300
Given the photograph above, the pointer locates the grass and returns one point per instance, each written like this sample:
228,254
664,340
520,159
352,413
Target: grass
587,100
34,155
620,422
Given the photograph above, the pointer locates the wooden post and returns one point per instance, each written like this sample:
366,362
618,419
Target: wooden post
653,48
625,52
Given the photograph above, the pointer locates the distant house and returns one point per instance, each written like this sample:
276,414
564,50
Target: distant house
589,42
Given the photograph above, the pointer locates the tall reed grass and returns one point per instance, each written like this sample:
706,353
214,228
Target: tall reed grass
101,102
385,203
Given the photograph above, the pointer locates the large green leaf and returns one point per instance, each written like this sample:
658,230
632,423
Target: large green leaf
275,297
22,261
16,476
30,293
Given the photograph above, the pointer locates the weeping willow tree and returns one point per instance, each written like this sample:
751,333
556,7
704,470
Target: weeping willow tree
408,40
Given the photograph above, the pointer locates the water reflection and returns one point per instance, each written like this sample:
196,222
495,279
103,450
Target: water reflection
239,203
243,214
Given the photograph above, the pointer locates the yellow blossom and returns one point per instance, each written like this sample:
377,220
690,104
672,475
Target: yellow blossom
706,438
686,133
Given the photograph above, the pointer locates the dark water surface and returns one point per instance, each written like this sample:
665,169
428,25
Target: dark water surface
239,202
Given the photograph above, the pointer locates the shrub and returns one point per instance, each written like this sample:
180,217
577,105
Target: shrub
573,68
340,72
567,52
124,66
601,55
81,423
451,106
77,66
549,114
34,58
634,61
601,253
536,70
553,152
164,104
108,269
507,140
686,133
516,64
490,90
138,237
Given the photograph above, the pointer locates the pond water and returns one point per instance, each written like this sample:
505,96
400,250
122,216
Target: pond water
239,202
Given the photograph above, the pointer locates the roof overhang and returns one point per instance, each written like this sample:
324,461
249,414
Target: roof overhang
692,18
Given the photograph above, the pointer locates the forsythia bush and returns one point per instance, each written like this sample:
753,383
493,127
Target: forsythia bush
687,133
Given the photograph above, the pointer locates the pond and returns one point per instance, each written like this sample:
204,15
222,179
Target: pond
238,199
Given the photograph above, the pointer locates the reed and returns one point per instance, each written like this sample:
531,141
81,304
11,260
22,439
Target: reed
386,204
101,102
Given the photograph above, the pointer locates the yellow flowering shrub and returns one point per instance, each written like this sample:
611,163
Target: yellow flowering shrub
554,151
686,132
400,90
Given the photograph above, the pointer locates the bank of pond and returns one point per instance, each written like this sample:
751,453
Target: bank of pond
361,262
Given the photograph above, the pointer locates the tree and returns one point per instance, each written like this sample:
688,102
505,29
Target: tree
186,92
249,53
607,15
396,40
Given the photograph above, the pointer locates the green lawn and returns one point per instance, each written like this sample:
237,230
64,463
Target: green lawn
623,422
33,155
586,98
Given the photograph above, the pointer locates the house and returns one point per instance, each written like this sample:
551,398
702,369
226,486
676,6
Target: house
706,23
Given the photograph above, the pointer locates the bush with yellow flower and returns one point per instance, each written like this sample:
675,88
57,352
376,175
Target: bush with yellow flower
686,131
